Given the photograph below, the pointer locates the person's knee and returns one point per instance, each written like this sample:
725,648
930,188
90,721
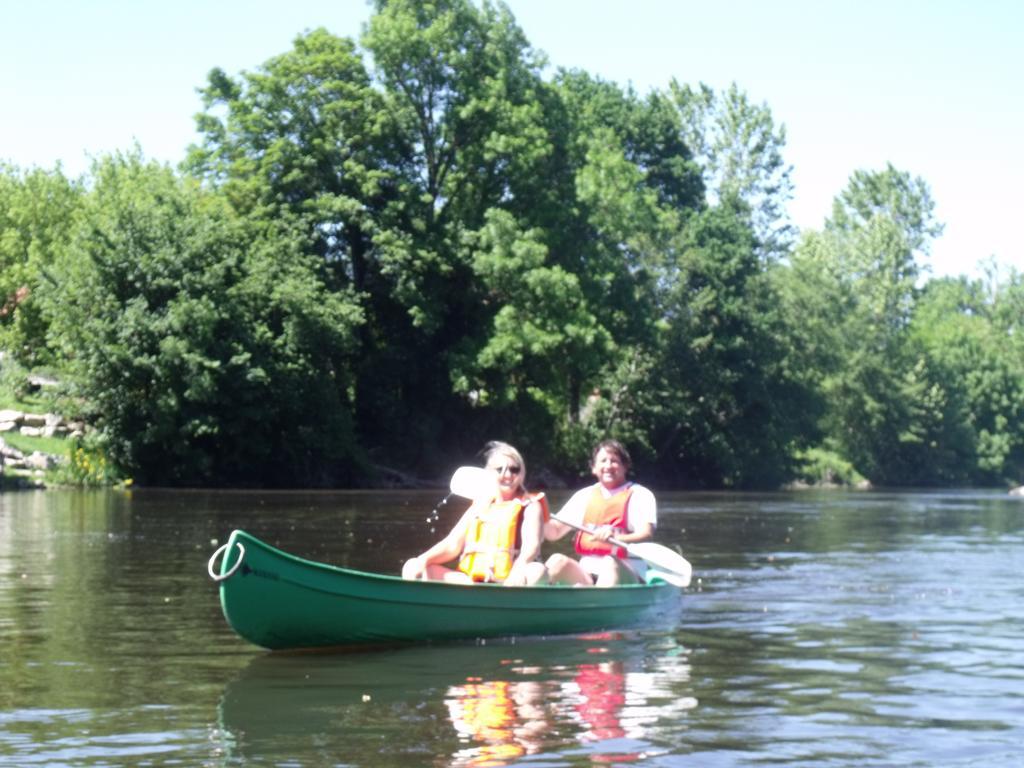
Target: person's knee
411,569
556,563
535,574
559,569
608,573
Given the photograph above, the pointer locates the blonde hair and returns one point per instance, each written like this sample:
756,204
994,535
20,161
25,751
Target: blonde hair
498,448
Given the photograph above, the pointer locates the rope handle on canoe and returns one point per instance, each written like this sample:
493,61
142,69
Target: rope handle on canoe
229,574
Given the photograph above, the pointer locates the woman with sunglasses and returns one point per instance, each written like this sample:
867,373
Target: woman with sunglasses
498,538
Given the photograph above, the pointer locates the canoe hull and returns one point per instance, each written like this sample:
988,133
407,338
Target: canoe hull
279,601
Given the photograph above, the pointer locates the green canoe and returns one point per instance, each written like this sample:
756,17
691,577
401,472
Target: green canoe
279,601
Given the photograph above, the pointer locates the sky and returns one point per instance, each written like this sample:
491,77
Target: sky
932,86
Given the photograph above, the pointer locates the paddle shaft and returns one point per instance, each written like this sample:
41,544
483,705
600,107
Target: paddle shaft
660,557
588,529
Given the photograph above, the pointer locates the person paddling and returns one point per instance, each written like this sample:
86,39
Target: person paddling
613,508
498,538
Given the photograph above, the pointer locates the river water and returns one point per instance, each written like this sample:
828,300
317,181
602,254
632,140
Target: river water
822,629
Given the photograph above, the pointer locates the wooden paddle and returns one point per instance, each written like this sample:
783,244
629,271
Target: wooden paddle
476,482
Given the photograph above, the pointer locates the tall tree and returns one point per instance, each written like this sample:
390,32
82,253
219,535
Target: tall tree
886,411
885,222
737,407
463,87
461,83
310,137
543,336
304,136
627,184
740,151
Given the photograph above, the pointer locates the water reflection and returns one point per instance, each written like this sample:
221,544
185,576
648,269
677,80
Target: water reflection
606,698
501,720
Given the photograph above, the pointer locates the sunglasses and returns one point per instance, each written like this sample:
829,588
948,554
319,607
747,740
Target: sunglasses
510,468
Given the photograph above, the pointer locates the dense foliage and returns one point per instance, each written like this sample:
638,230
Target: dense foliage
383,253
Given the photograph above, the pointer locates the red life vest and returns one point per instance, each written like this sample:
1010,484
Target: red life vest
613,511
493,537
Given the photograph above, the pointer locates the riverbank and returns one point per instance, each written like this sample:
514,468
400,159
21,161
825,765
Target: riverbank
40,448
33,445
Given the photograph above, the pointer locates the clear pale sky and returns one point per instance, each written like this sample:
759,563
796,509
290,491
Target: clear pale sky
933,86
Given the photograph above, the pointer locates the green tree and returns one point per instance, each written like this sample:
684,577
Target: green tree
885,222
543,325
957,327
207,350
509,233
696,377
626,184
392,173
734,408
309,136
461,83
464,89
37,208
851,297
740,151
303,137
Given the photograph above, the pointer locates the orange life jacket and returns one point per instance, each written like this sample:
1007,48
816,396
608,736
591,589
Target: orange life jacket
600,511
493,537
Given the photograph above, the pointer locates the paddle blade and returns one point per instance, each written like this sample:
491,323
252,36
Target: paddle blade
663,559
473,482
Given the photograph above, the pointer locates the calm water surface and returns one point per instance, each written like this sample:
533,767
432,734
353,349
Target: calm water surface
826,629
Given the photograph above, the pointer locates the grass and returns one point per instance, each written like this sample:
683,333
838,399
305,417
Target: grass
79,464
36,402
52,445
27,403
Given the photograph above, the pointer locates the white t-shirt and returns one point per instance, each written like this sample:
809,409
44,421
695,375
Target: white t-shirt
642,508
